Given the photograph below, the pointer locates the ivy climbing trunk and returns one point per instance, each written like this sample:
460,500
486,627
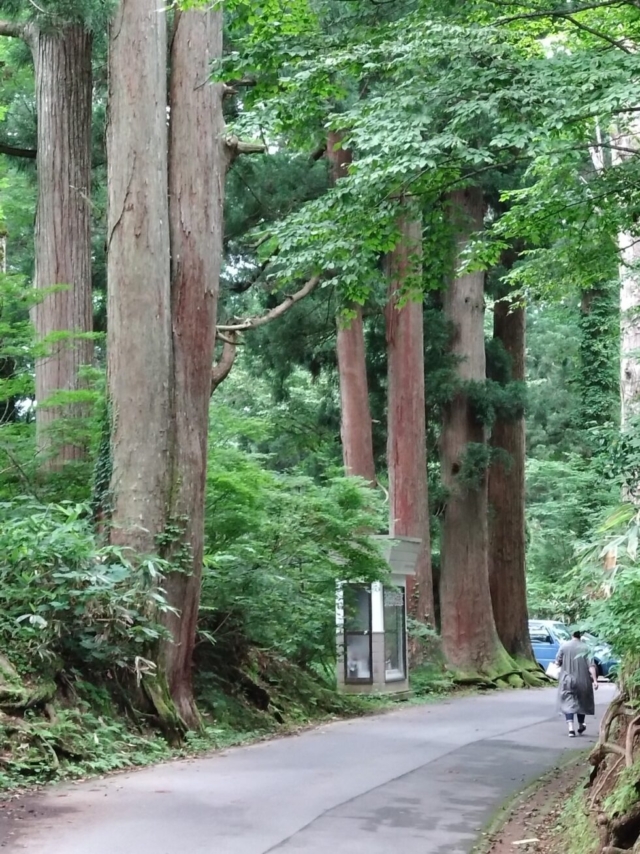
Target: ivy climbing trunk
469,637
406,412
139,306
507,541
197,166
355,414
62,61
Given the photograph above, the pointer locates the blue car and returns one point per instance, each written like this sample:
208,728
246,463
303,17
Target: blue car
547,635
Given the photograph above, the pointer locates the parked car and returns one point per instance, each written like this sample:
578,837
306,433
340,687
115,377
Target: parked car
547,635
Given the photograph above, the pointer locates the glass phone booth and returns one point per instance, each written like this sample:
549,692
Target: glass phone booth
371,625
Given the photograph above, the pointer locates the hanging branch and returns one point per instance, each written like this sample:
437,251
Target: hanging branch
222,367
230,333
278,311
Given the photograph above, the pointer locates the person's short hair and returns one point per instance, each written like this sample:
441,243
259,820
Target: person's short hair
577,634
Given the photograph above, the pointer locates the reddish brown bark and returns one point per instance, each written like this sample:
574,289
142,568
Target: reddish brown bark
196,186
139,306
406,436
469,637
507,544
355,420
355,415
62,61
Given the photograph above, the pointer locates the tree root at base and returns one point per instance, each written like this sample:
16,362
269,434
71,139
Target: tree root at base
168,719
516,678
613,756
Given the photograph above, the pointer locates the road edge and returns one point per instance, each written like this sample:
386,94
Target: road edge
506,812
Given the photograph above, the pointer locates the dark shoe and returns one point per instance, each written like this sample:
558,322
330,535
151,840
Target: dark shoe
582,728
572,734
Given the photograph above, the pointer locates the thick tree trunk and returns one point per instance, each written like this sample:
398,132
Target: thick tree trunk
469,637
63,226
197,166
406,413
139,304
507,542
355,415
355,419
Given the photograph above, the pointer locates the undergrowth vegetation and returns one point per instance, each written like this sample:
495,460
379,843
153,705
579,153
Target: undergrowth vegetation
576,830
78,617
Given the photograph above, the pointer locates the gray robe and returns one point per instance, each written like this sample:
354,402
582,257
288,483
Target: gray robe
575,689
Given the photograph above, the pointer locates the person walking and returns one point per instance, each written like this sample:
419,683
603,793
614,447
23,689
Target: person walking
577,681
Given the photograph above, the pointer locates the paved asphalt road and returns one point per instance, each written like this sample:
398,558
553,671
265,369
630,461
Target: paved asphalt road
422,780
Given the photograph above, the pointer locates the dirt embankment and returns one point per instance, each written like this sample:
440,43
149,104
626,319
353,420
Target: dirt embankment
534,823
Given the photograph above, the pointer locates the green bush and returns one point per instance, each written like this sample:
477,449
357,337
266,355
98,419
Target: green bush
277,544
66,602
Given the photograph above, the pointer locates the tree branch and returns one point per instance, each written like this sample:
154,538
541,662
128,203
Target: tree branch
278,311
12,29
222,367
558,12
235,147
12,151
230,87
598,34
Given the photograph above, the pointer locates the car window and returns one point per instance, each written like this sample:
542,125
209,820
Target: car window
539,634
562,632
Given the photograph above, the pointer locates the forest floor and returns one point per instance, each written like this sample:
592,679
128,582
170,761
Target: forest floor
420,779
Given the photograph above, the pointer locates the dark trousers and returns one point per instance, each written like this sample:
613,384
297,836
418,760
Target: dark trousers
569,717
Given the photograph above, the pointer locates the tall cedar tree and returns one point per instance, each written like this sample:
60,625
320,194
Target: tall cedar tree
469,637
507,540
197,165
406,412
63,88
355,414
163,268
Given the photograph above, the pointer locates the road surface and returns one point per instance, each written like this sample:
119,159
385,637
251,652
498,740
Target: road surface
421,780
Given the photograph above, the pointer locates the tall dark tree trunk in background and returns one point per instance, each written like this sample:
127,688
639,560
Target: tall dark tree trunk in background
9,405
507,541
599,362
355,423
62,61
197,165
406,414
469,637
139,300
